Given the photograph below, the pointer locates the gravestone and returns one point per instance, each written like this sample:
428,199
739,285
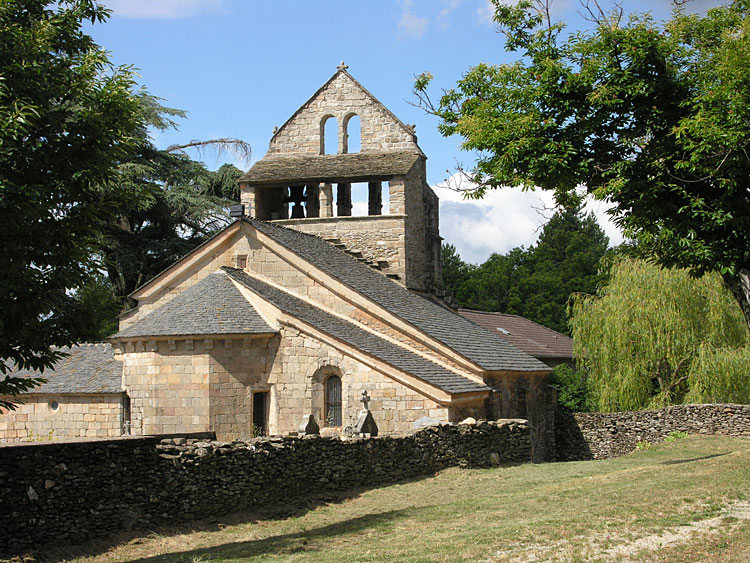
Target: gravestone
365,421
308,426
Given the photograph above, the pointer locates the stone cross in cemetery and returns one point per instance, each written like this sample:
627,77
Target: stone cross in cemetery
365,422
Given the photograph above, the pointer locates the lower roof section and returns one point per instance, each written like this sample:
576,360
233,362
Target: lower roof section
85,369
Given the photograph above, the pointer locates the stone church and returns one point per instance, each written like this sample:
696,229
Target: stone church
300,305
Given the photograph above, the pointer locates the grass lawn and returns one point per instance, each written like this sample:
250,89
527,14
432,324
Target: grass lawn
687,500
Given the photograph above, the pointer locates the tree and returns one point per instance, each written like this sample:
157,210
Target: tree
537,282
564,261
654,336
179,205
455,271
652,117
67,119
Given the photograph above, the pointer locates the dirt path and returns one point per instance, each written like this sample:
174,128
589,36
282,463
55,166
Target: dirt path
738,510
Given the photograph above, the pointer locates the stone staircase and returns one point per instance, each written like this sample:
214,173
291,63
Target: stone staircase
380,265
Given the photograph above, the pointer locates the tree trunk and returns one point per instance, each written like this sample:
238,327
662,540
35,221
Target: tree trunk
739,285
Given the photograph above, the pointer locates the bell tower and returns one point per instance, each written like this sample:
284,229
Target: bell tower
298,185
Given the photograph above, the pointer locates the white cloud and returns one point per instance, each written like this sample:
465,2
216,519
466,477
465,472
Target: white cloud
410,25
163,9
485,11
502,220
449,7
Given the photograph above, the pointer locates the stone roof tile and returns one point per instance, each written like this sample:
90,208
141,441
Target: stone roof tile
212,306
367,342
468,339
355,167
88,368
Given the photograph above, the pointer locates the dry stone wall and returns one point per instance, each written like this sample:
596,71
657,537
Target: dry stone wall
67,493
583,436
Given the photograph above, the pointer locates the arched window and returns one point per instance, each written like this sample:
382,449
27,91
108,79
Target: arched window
329,135
333,401
352,133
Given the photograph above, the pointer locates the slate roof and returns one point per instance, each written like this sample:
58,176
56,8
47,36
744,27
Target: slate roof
212,306
360,339
526,335
468,339
90,368
356,167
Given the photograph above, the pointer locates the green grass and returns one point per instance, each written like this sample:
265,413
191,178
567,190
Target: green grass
556,512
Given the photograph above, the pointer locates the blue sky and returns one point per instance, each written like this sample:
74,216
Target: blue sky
241,67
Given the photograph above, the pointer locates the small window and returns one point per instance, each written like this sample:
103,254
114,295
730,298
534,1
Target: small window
54,405
333,401
242,261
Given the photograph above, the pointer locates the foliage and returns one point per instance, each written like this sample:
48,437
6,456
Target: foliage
67,119
652,117
455,271
675,435
535,283
639,337
572,388
720,375
179,204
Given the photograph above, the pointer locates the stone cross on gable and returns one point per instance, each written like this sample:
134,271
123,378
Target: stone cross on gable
342,66
365,400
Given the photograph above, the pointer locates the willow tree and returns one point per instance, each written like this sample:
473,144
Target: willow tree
654,336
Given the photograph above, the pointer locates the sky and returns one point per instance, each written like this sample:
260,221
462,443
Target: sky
241,67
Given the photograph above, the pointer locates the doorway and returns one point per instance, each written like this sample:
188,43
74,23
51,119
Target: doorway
260,413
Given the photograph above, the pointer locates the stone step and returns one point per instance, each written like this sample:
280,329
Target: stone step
332,240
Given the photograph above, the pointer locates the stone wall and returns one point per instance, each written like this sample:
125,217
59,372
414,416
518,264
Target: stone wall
583,436
341,99
378,238
207,385
68,493
43,417
529,397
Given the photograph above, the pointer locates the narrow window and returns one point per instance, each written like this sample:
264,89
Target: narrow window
353,134
242,261
126,415
333,401
329,135
260,414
